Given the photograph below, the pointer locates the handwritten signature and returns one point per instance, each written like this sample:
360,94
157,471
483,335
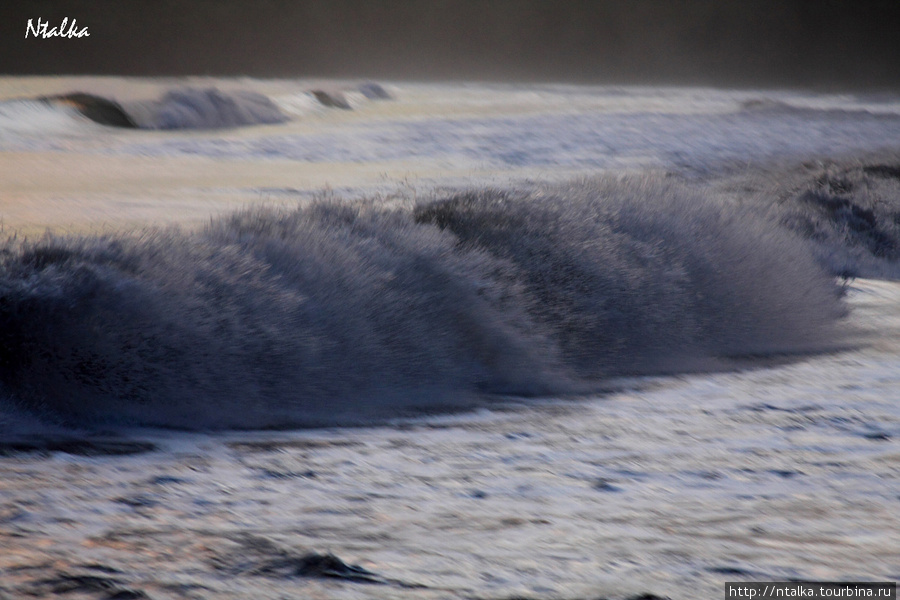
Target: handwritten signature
65,29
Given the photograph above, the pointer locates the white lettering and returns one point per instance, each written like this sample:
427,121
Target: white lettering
44,31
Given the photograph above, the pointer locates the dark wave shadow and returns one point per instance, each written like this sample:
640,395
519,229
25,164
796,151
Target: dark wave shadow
96,108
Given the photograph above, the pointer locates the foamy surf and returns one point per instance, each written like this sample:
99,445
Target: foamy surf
663,487
180,108
30,118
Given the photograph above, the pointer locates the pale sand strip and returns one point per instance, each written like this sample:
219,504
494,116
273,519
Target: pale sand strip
63,191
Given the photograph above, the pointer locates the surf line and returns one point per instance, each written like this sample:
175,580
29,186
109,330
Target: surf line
44,31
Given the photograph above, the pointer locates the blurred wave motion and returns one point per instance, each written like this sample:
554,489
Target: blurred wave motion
346,313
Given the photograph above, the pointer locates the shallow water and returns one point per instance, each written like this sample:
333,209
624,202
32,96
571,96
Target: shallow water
666,485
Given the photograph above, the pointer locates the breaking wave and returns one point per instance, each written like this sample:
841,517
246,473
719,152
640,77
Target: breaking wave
344,313
191,108
347,313
30,118
186,108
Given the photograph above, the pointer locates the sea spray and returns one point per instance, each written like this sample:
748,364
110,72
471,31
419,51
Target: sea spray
850,212
341,313
642,275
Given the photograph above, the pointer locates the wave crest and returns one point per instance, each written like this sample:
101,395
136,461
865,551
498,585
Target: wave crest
347,313
210,108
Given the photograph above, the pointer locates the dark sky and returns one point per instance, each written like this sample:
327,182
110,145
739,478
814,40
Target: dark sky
786,43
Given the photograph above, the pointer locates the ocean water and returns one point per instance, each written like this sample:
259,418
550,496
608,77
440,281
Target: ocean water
475,341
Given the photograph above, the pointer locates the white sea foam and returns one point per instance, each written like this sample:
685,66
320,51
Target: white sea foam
671,485
22,120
